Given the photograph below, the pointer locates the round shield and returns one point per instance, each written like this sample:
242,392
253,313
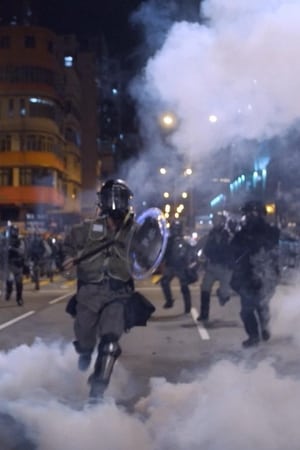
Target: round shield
148,243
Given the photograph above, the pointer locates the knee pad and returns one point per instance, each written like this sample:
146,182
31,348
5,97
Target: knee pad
108,352
109,346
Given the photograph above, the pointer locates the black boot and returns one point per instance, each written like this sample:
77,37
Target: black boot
19,299
9,289
186,298
168,304
84,361
251,342
204,306
251,328
165,285
265,334
85,357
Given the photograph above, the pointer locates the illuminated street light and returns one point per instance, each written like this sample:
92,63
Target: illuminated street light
188,171
168,121
163,171
213,118
184,195
166,194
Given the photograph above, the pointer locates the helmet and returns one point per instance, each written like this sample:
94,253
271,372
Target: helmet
12,231
176,228
254,207
219,220
114,197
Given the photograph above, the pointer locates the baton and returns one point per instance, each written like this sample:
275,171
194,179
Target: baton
95,251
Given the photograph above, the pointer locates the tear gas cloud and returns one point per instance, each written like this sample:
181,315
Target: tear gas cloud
229,78
240,68
232,405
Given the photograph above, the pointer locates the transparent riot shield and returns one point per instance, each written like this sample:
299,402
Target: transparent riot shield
148,243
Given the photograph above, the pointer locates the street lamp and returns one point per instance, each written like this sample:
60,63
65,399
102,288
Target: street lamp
188,171
168,121
213,118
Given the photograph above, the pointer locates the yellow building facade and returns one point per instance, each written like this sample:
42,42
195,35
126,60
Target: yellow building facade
40,155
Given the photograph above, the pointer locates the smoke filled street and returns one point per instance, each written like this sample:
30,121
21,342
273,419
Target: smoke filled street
160,142
174,366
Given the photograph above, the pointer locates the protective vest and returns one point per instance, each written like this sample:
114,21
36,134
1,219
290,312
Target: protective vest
109,262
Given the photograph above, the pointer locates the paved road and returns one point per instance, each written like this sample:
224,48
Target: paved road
173,345
171,339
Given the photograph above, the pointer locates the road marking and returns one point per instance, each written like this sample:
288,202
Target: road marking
58,299
29,313
157,288
17,319
201,330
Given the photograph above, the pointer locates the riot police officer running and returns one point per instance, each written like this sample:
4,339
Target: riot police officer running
179,257
256,271
104,282
218,254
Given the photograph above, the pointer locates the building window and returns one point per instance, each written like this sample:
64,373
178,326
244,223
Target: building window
4,41
49,144
22,107
68,61
27,74
10,110
22,143
40,143
36,177
43,177
72,136
5,177
41,108
25,177
29,42
5,143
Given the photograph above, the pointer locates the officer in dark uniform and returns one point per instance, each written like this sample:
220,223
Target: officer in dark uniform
218,254
104,281
178,259
16,261
256,270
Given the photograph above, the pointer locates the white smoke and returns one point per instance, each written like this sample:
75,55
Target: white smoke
232,77
241,68
286,309
245,403
227,406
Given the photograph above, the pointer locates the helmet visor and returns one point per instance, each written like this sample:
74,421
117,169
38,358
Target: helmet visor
114,199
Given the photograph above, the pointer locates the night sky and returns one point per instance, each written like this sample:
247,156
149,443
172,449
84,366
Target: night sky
92,17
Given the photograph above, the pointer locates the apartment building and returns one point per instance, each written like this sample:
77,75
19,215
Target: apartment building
42,87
